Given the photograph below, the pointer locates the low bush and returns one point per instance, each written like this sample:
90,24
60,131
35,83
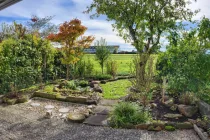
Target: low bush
102,77
126,113
71,85
187,98
111,68
170,128
83,83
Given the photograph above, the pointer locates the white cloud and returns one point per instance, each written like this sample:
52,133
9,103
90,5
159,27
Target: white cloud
65,10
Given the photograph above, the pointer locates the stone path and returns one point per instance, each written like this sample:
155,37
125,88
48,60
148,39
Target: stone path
24,122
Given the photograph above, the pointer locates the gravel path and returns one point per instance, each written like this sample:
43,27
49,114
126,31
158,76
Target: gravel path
21,122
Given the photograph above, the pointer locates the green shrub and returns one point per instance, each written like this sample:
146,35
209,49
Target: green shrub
187,98
83,83
71,85
170,128
102,77
89,67
126,113
111,68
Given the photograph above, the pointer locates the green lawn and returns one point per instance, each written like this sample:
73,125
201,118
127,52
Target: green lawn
116,89
123,60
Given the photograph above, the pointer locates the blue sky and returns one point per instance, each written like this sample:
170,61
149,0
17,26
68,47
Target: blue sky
65,10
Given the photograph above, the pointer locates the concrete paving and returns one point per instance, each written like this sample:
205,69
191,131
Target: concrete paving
19,122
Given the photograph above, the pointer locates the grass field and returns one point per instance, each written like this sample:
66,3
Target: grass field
123,61
116,89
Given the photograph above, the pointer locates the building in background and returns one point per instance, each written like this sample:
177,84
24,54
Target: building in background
6,3
112,49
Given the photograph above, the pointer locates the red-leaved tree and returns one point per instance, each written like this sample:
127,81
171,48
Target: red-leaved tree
71,37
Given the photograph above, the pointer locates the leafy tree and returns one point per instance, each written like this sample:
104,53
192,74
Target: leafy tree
102,52
41,26
186,62
70,35
142,22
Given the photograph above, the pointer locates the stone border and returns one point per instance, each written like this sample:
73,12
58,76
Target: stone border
200,134
158,126
73,99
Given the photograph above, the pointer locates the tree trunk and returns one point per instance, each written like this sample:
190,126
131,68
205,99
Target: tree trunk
67,72
102,66
141,72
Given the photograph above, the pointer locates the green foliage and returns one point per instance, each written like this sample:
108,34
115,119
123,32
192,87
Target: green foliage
102,52
188,98
170,128
126,113
83,83
111,68
49,88
71,85
134,20
22,62
186,64
89,67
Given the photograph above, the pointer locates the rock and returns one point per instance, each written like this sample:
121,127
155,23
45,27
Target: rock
35,104
98,89
55,89
103,82
192,121
169,102
172,116
187,110
202,124
77,99
160,124
94,82
63,110
173,107
185,125
49,107
11,101
142,126
170,128
205,134
22,99
204,109
76,117
90,106
152,128
166,98
63,116
48,114
200,134
158,128
153,105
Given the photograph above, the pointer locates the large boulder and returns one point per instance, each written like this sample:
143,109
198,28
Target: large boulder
187,110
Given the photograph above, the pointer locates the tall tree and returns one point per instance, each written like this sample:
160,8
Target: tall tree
102,52
70,35
142,22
